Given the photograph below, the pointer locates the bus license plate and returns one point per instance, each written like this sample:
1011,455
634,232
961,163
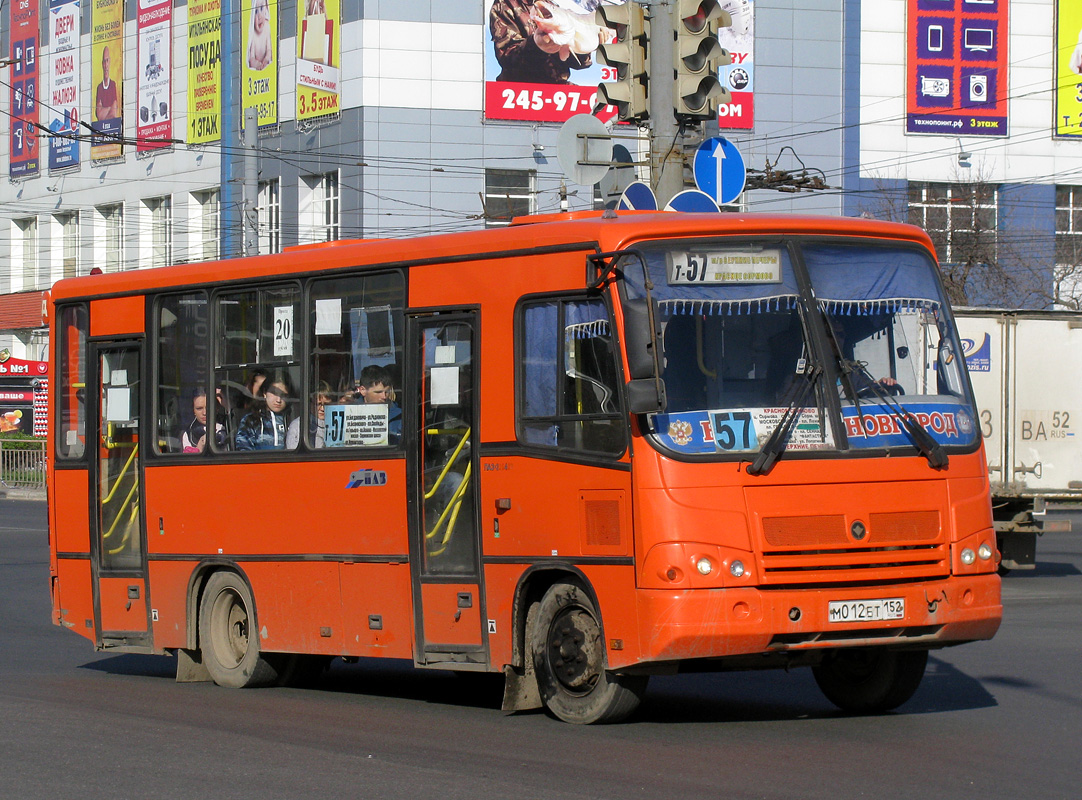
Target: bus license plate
866,610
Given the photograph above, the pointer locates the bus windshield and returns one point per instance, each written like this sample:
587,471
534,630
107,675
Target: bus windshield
804,346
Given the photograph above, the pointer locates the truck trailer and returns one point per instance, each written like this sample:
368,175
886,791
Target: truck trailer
1026,369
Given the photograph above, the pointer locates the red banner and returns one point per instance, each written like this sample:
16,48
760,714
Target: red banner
16,367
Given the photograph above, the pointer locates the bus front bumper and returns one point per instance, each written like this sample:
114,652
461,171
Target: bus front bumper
720,623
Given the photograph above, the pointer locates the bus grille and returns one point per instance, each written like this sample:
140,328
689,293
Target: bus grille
821,548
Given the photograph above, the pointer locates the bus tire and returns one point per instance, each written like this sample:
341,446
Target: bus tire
870,680
227,635
568,652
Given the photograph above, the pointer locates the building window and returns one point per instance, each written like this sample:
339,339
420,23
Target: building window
270,217
28,236
209,224
69,243
161,230
509,193
961,218
319,208
1067,277
113,246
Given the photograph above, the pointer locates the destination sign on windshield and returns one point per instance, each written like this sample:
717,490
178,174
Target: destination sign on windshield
725,266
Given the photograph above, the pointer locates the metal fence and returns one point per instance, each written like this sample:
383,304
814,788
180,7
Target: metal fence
22,464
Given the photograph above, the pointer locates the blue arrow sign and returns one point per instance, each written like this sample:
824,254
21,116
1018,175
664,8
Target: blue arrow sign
719,169
637,197
692,200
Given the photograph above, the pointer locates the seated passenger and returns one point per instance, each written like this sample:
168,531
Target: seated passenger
375,387
194,438
265,426
317,427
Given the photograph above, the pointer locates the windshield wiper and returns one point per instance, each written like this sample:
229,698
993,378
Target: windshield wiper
925,444
774,446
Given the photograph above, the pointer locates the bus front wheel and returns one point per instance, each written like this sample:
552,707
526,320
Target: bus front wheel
870,680
227,637
569,661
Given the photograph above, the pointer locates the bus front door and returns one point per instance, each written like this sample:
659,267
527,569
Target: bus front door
118,546
441,430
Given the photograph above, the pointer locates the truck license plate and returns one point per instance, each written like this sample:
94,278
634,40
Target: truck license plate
866,610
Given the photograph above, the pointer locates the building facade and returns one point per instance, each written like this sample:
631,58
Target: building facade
392,119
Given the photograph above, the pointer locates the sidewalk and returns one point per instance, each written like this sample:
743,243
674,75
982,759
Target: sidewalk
22,494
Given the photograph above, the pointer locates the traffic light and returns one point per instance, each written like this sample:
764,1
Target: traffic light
697,56
627,54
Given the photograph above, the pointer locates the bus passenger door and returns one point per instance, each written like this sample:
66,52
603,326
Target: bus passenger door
442,467
118,548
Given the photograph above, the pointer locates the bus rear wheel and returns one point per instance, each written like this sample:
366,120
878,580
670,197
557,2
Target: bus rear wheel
870,680
227,637
569,661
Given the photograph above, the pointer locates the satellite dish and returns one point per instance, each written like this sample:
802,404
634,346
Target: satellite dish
584,149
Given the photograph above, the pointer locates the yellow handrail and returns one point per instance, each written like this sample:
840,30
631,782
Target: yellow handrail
127,528
450,461
453,507
123,472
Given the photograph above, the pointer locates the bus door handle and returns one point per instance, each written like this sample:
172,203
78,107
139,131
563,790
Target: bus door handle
465,600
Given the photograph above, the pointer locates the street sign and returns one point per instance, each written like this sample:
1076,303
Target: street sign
584,149
692,200
719,169
638,197
619,177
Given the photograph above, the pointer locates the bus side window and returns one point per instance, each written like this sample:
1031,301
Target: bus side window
356,329
257,339
569,393
182,404
71,352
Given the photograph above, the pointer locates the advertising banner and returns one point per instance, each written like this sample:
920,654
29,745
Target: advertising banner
63,111
738,77
259,60
25,162
22,386
956,70
539,59
1068,66
319,49
107,78
204,71
154,78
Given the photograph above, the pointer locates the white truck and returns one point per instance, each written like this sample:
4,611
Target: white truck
1026,368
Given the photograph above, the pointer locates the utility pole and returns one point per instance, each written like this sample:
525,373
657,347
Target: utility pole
251,182
666,159
666,67
229,133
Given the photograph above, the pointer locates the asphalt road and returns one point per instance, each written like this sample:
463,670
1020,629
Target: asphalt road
999,719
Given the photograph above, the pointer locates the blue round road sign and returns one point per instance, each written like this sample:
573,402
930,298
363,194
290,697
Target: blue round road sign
691,201
638,197
719,169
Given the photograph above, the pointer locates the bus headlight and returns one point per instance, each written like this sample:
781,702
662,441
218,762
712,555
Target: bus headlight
704,566
984,551
968,556
737,569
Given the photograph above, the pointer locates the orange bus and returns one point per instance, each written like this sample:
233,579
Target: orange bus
579,450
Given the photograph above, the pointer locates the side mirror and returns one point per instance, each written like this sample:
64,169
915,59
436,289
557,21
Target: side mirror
646,396
642,338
